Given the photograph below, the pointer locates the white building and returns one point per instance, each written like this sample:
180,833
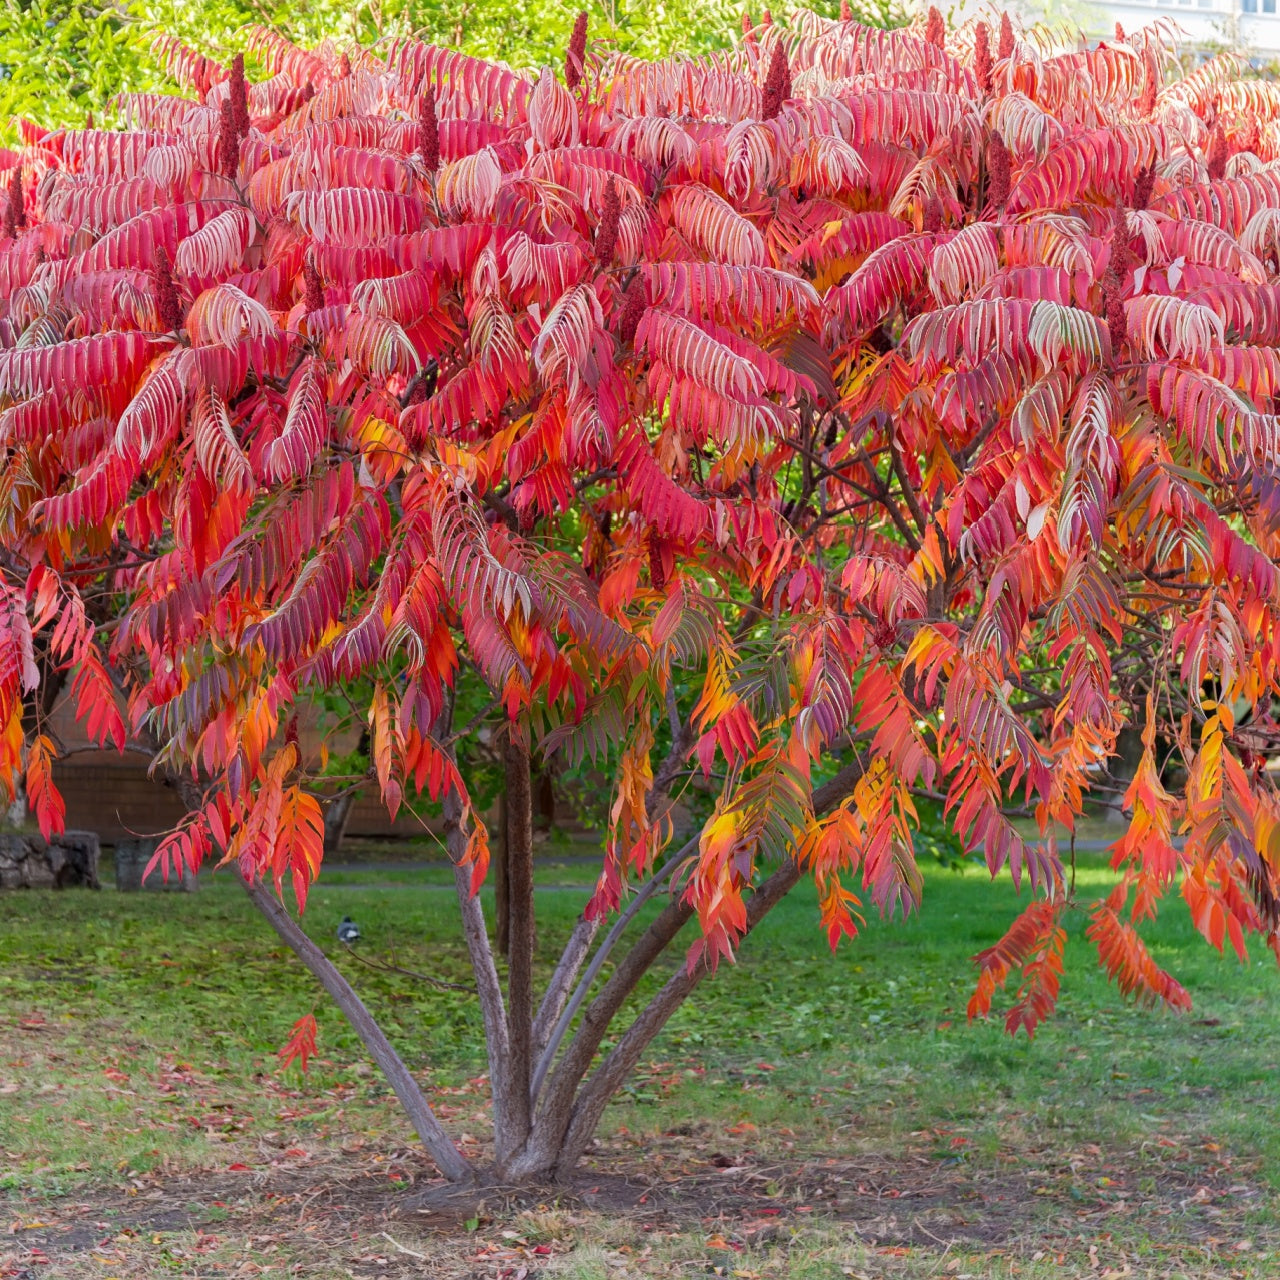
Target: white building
1252,27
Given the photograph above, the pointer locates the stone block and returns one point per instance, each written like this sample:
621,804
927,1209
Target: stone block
132,857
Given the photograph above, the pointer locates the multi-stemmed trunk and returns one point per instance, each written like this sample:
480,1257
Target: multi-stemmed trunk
549,1087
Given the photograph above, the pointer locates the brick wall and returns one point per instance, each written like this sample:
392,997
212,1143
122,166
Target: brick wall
113,796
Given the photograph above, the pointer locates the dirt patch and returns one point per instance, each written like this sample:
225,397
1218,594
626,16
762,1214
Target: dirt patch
387,1216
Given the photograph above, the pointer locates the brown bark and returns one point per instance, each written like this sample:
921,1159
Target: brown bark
501,892
488,988
557,992
448,1159
519,811
621,1060
547,1051
563,1113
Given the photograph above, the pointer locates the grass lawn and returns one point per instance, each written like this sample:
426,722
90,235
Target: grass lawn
806,1116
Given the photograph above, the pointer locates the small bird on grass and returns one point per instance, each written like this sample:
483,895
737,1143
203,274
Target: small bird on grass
347,931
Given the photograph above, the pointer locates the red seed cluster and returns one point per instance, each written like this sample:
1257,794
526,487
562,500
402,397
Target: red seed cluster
999,171
607,232
846,11
15,210
777,83
935,29
239,96
164,292
1218,155
1121,259
575,59
228,140
1142,187
429,132
313,296
1121,256
1005,48
632,313
982,57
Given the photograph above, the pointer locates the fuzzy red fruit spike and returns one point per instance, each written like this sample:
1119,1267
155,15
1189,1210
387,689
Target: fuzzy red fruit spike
239,96
932,215
1005,48
1219,153
846,11
429,132
228,141
607,232
313,286
15,211
748,27
88,119
575,59
1120,254
344,67
766,19
165,293
935,29
633,309
1117,324
999,171
776,83
1120,37
1142,187
982,57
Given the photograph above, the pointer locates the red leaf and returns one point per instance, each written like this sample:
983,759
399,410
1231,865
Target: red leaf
301,1044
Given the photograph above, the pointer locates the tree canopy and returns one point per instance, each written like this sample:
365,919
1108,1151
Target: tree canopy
844,421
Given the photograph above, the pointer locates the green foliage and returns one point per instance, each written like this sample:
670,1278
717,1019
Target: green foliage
61,59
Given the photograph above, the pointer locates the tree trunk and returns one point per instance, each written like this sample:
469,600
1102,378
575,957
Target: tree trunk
519,842
1122,766
545,795
567,1113
336,815
501,895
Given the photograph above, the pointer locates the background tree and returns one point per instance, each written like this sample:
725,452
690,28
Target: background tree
838,421
62,60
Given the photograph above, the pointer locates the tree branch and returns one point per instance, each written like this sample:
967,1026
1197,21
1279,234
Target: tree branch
488,988
448,1158
571,958
609,1075
557,1105
647,891
519,827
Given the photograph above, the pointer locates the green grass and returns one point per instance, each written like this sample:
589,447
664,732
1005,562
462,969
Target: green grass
138,1038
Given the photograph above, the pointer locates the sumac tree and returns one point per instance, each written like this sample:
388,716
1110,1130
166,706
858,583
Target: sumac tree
850,416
